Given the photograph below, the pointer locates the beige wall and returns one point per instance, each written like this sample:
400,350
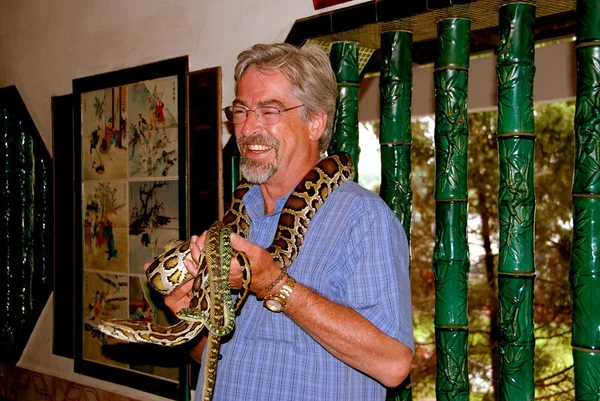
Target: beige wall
44,45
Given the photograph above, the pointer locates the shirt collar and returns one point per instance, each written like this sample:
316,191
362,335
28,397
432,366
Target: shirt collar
255,203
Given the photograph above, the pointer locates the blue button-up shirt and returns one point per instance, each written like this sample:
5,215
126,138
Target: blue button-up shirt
355,254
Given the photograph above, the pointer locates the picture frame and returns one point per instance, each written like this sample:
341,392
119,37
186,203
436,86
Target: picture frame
64,233
320,4
131,174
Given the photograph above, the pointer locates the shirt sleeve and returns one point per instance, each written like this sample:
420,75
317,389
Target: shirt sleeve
378,286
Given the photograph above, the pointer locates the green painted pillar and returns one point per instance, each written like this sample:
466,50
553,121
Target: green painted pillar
584,268
344,61
395,138
451,253
515,70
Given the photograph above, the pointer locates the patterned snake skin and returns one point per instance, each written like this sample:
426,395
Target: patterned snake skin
211,305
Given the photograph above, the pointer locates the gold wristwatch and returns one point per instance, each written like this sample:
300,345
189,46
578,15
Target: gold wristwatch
277,302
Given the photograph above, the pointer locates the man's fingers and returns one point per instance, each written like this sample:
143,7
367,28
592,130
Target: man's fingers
196,246
191,267
181,298
186,288
195,252
239,243
200,240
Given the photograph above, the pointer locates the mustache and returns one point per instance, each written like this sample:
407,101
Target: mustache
258,139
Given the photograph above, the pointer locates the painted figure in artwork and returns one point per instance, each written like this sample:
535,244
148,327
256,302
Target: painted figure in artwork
97,163
110,238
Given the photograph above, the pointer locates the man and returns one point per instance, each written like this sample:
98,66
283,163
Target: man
345,331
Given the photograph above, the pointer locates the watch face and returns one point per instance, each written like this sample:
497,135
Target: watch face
273,305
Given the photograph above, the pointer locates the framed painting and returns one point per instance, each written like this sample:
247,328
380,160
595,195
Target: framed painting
131,180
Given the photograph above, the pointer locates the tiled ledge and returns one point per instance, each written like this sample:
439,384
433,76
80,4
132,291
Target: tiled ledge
17,384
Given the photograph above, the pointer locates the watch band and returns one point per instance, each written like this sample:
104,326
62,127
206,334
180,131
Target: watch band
277,302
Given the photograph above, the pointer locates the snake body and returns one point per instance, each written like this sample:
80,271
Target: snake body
211,305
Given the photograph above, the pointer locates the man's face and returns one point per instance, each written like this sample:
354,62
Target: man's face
268,150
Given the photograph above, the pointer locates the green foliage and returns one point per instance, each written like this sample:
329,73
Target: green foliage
554,175
552,308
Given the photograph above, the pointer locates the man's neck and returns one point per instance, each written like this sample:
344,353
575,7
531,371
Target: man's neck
270,196
276,188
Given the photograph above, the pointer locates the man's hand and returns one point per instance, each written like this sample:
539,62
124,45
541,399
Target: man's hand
235,273
264,269
181,297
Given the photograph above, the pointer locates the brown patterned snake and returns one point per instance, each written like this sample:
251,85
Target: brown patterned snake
211,305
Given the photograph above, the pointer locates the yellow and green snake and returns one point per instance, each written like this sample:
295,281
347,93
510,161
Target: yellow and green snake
211,306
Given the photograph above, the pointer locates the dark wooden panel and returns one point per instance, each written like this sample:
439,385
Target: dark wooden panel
64,255
205,148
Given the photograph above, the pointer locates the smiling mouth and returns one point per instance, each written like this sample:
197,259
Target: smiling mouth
258,148
258,144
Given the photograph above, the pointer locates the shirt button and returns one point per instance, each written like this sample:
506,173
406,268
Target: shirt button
220,357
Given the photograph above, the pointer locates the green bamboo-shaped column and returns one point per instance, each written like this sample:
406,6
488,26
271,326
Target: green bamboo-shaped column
395,138
344,61
451,253
585,256
515,70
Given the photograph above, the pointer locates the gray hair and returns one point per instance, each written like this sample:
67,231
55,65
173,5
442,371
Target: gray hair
309,71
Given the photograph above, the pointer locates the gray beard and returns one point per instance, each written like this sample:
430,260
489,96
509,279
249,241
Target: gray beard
257,172
254,171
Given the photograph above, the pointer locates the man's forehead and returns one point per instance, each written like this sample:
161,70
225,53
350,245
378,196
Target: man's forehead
260,103
258,87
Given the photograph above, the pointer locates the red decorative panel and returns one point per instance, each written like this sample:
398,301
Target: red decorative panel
326,3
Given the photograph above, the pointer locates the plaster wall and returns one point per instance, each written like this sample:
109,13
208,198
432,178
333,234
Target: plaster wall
44,45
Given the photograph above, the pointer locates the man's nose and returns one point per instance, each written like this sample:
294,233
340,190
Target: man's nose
251,125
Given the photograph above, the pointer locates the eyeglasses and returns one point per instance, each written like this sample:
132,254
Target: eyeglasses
267,115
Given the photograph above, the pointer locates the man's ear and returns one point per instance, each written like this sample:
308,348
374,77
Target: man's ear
317,122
